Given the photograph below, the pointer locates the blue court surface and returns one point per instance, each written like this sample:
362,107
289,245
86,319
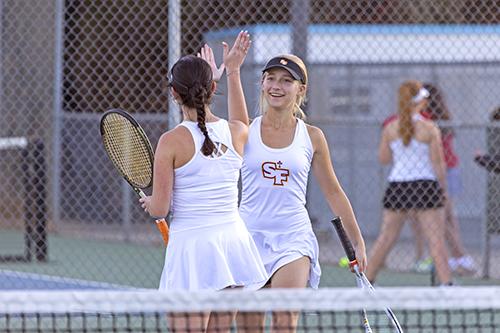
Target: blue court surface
12,280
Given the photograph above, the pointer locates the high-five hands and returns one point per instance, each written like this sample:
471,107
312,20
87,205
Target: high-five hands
232,58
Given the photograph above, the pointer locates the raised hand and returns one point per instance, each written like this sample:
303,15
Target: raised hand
207,54
234,57
236,105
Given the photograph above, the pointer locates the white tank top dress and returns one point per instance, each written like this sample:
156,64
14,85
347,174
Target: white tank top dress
210,247
274,183
411,162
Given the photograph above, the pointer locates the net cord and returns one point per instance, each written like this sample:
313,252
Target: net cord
325,299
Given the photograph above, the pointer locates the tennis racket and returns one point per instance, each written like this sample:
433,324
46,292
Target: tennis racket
129,149
361,279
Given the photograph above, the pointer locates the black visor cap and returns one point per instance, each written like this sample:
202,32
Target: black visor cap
292,68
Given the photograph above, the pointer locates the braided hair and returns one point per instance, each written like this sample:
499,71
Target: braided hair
191,77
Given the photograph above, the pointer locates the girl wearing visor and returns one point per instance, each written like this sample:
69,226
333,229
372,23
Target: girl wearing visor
280,152
417,180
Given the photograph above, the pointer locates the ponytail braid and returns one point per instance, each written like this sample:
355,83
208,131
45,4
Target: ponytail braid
208,146
199,97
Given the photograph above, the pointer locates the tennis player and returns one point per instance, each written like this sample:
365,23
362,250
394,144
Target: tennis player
281,151
417,180
459,261
197,167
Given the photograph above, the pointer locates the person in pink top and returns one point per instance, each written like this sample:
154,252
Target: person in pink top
438,111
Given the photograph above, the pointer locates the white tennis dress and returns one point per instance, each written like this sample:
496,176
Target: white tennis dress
274,197
210,247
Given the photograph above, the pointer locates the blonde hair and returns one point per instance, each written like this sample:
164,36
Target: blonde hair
407,91
301,99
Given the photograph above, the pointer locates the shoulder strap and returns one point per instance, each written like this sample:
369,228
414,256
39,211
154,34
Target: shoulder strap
303,133
195,133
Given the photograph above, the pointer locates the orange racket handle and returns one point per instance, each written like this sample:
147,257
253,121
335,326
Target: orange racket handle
352,264
163,228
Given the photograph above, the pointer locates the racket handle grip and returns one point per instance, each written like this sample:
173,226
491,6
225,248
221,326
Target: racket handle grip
344,240
162,226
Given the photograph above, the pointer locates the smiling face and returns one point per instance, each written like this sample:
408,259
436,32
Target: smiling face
280,89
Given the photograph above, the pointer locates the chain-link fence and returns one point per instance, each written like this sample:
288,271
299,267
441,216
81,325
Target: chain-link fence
67,219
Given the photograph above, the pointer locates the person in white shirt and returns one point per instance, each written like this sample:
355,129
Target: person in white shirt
197,168
281,151
417,181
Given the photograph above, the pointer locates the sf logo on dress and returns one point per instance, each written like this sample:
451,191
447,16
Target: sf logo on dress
273,170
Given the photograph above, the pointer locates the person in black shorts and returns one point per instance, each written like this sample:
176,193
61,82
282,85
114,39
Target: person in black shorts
417,180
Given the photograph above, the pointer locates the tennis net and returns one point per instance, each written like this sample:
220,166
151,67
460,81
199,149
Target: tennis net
455,309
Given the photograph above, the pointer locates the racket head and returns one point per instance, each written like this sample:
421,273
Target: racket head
128,147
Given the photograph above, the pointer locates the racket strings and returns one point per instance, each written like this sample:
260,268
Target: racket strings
127,149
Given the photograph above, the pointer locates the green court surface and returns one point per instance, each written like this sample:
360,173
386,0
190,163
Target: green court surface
11,242
91,260
140,266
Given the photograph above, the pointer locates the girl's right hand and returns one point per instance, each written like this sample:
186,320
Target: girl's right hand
206,53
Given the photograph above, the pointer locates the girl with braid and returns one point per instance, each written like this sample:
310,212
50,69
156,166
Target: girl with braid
417,180
196,171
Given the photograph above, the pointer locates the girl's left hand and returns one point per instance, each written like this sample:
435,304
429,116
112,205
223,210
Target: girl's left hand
206,53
